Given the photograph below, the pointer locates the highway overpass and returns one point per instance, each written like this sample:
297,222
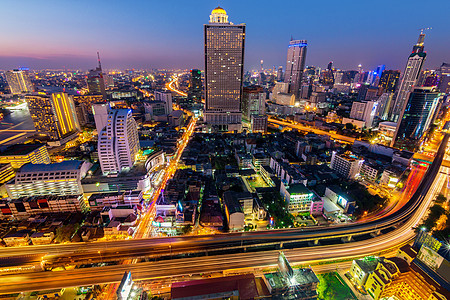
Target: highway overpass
405,220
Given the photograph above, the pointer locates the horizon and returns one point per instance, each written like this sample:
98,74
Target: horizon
147,35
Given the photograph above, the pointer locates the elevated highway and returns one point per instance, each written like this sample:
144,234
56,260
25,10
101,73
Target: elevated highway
404,220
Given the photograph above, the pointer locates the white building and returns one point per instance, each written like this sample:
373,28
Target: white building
100,111
347,164
166,97
49,179
298,197
118,142
364,111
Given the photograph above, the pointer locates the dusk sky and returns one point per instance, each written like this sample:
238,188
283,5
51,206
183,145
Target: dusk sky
169,34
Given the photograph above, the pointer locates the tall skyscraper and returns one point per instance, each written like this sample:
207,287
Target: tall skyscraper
295,65
53,115
224,70
409,79
389,80
195,86
19,81
416,118
118,142
96,81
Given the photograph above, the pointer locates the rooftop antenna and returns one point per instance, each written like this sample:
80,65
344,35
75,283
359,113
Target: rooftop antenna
99,63
424,29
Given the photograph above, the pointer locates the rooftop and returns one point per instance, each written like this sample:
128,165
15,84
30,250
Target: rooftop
298,188
68,165
367,264
20,149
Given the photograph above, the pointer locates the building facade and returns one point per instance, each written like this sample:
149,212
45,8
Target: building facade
195,86
409,79
19,81
298,198
54,116
48,179
21,154
347,164
253,102
166,98
118,142
224,70
416,118
295,64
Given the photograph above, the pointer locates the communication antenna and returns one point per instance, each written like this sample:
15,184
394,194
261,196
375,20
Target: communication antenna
424,29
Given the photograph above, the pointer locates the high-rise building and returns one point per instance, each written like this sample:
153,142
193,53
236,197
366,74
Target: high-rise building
389,80
224,70
416,117
100,111
444,78
409,79
118,142
96,81
330,66
280,74
295,64
166,97
19,81
253,101
195,86
53,115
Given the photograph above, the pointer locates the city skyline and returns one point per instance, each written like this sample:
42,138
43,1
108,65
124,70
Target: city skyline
132,37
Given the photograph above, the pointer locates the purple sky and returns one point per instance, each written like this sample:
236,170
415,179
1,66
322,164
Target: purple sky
163,34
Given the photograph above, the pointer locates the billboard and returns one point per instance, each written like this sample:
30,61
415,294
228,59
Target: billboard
430,257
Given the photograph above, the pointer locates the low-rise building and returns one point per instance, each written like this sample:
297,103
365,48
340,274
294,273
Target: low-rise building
27,206
233,211
48,179
21,154
297,197
42,237
362,268
17,238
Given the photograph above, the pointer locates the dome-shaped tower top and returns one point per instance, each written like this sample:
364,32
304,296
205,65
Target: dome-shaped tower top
218,15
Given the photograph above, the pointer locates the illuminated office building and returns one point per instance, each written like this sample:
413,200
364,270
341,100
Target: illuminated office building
118,142
224,69
19,81
195,86
416,118
409,79
295,65
54,116
389,80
